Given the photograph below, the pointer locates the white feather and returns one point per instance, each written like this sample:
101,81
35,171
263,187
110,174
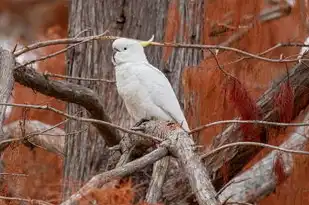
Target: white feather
146,91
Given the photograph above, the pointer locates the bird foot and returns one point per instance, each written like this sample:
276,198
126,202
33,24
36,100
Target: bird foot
139,123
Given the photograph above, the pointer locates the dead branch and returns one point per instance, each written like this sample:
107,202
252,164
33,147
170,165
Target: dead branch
89,120
38,134
61,89
99,180
46,74
256,144
267,14
165,44
233,133
158,176
59,52
6,85
182,147
177,142
22,200
261,179
69,92
257,122
236,155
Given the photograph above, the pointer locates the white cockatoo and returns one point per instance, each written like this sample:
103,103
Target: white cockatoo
146,91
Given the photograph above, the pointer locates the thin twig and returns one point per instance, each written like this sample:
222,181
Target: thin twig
281,124
14,174
46,74
228,184
258,144
61,42
46,130
30,201
46,107
99,180
237,203
58,52
164,44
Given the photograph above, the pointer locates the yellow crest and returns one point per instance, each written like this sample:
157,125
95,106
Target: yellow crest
147,43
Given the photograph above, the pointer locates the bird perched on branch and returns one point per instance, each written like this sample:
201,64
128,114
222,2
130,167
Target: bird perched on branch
146,91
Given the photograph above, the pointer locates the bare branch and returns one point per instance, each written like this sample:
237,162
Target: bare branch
59,52
46,74
267,14
158,176
6,81
257,144
94,121
37,134
233,133
165,44
69,92
261,122
62,41
6,85
125,170
261,178
29,201
182,146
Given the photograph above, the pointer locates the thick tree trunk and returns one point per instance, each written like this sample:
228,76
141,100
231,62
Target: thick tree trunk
168,20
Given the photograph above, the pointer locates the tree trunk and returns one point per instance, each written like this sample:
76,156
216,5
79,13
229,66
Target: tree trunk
168,20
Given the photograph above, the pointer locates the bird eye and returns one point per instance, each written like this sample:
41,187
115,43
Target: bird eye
125,48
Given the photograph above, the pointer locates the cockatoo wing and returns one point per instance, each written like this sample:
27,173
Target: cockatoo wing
160,91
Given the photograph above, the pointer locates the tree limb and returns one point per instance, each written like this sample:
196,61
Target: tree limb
99,180
69,92
39,134
158,176
233,133
182,147
6,85
260,180
6,82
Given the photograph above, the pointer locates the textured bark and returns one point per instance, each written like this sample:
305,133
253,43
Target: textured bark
68,92
238,157
181,145
135,19
159,171
99,180
260,180
40,134
6,83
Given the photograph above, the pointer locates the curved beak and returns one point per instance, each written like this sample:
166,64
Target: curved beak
147,43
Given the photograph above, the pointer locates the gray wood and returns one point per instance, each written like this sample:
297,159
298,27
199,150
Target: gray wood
159,173
260,180
6,83
182,146
69,92
240,156
99,180
42,135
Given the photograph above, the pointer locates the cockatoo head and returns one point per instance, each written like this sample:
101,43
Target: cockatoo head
129,50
